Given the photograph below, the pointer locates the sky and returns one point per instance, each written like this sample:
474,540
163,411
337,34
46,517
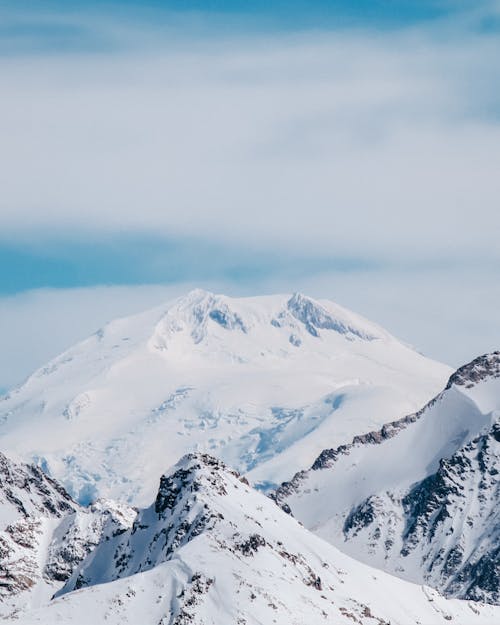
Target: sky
349,150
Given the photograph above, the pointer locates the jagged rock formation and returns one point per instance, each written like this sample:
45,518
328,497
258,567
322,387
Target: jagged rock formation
29,503
421,497
44,534
485,367
211,550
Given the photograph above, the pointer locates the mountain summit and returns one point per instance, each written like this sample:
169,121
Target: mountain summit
210,550
261,382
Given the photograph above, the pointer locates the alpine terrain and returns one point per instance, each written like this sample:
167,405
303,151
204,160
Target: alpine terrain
261,382
44,534
396,522
420,497
210,550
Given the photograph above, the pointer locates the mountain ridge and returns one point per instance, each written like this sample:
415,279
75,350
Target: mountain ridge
210,549
437,523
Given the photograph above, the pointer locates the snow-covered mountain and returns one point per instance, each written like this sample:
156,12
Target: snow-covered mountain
31,506
260,382
44,534
210,550
421,497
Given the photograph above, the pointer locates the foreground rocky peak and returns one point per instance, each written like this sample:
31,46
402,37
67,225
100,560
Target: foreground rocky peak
194,473
212,550
191,501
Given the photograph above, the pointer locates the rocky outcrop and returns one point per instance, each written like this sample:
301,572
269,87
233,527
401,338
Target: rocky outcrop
481,368
44,534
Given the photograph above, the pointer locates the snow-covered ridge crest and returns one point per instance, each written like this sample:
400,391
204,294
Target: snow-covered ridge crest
420,497
194,313
200,312
211,550
481,369
315,317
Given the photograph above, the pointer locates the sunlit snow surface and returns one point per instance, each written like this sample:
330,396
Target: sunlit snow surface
212,551
265,383
423,504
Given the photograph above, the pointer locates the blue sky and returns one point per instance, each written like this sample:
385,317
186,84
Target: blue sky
134,260
346,149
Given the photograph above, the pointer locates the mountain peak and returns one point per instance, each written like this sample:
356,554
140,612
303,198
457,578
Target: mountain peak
193,472
316,317
220,552
481,368
257,381
197,294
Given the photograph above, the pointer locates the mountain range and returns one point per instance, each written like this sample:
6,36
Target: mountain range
312,469
211,550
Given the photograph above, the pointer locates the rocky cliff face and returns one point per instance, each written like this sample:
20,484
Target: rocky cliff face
30,503
485,367
447,525
44,534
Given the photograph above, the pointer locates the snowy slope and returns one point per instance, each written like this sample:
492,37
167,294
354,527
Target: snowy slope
420,498
44,534
212,551
261,382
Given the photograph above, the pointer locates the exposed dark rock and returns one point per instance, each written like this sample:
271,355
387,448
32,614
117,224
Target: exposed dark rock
250,546
481,368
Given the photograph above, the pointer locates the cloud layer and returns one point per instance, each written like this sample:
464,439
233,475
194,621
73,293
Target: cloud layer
366,143
355,163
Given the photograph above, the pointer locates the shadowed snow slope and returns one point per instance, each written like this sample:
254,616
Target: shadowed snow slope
421,497
212,551
261,382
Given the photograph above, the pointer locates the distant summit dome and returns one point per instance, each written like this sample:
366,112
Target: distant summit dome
261,382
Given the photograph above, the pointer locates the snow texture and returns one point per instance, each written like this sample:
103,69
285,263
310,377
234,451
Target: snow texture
261,382
421,497
210,550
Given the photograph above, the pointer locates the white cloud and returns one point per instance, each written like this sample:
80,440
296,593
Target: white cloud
352,142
